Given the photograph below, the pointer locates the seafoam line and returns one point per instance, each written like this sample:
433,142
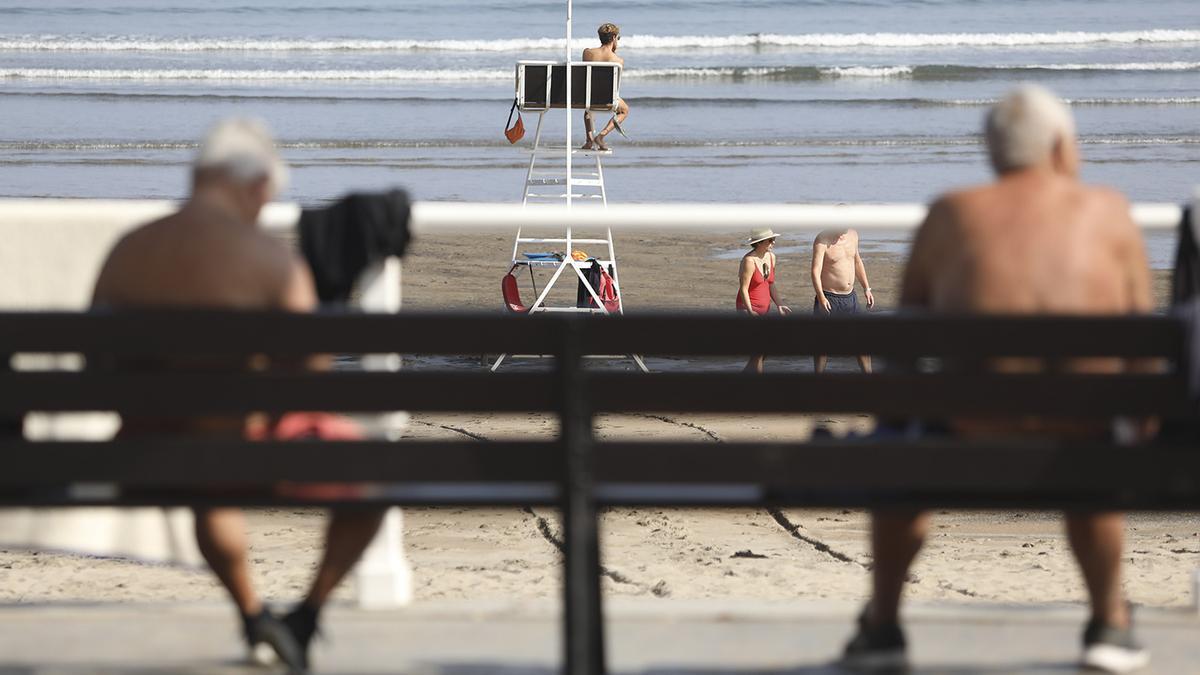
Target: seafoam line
929,72
135,43
970,141
652,101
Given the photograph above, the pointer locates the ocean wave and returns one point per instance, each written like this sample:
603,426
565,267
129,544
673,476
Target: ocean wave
919,72
966,141
780,73
640,101
632,41
424,75
868,71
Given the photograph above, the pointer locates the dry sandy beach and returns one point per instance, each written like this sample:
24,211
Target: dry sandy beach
460,553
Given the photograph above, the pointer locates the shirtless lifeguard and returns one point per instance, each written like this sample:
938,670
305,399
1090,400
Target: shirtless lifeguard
835,265
610,37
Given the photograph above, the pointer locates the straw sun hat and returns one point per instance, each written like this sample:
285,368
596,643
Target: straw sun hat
760,233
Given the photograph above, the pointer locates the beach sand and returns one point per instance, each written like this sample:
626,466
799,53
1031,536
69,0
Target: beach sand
461,553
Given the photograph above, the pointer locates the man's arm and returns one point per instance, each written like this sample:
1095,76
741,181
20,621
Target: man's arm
299,295
860,272
1131,254
818,262
915,289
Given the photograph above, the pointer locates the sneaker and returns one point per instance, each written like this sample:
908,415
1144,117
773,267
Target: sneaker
876,648
301,624
1112,649
269,641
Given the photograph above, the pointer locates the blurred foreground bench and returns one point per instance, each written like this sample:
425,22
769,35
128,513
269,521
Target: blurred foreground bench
575,471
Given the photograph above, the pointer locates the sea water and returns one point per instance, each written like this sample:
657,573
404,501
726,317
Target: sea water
755,100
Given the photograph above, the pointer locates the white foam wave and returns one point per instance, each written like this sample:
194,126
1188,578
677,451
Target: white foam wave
634,41
266,75
909,40
1165,100
868,71
492,74
1151,66
1136,101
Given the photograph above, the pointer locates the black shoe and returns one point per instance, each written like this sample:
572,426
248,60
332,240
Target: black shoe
1112,649
301,624
876,648
269,641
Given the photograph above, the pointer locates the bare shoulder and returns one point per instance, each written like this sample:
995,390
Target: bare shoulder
1109,211
957,201
1106,197
123,258
944,216
589,54
958,208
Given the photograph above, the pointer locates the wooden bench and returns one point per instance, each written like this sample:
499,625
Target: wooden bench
577,472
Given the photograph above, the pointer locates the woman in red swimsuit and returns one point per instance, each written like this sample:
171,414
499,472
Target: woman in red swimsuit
756,283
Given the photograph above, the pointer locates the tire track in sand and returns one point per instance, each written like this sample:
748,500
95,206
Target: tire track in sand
549,534
794,528
458,430
543,524
776,514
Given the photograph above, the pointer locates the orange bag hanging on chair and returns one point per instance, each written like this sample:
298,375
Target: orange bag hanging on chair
517,132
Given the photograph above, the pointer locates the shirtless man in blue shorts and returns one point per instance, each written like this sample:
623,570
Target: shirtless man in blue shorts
835,265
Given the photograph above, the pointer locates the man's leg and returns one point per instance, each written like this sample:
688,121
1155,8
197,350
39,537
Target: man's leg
896,538
221,535
755,364
879,643
619,118
819,363
864,362
348,534
1097,540
589,129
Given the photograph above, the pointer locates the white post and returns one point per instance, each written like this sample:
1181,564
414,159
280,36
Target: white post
570,188
383,575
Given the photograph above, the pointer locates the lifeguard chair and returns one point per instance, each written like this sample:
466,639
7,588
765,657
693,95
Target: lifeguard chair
542,86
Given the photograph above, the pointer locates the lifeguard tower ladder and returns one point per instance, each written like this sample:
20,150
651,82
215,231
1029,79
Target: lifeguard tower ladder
550,178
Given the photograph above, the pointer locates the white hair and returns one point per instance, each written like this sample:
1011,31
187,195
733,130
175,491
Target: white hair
1023,127
241,148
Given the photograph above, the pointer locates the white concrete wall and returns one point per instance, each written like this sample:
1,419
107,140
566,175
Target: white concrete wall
52,250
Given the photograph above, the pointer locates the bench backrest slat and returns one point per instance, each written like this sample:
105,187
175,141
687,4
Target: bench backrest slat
215,333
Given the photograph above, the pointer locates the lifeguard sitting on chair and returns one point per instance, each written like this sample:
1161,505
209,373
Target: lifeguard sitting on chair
610,36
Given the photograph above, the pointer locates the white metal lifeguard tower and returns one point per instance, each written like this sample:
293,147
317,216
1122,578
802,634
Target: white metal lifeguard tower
541,86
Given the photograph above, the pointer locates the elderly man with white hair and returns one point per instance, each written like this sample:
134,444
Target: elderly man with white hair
1035,241
211,254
